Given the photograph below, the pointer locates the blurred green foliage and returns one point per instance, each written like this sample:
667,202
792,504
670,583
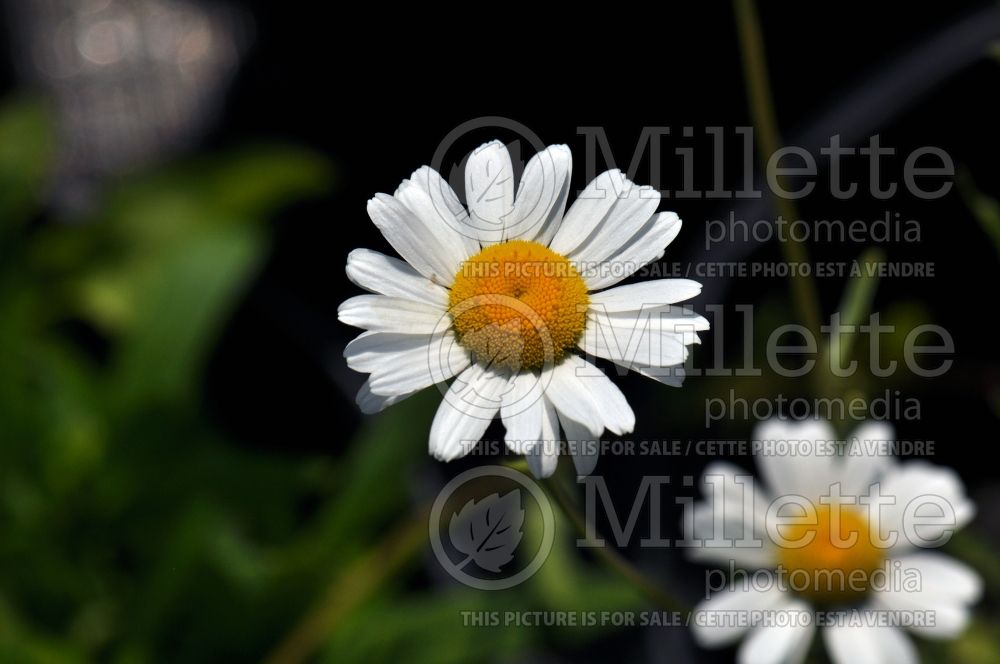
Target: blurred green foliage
131,529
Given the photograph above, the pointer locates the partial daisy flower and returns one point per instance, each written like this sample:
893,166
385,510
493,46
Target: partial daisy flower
837,539
505,295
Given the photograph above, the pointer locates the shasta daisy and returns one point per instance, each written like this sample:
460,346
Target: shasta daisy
507,294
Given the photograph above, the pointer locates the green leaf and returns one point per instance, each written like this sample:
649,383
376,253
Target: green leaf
264,178
244,185
181,305
103,263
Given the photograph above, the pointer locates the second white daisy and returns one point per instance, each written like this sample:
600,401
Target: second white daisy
834,540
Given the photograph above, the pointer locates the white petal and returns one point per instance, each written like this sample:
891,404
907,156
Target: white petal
449,232
370,350
489,191
785,642
644,295
611,404
607,207
371,403
793,468
676,320
659,330
390,276
921,486
522,409
944,577
468,407
571,398
646,246
749,558
897,647
738,518
582,445
544,457
867,457
541,196
620,225
672,376
637,340
433,199
434,251
850,643
412,374
939,621
588,210
583,393
392,314
945,588
711,626
406,363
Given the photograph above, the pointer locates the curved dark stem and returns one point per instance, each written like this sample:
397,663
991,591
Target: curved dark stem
614,560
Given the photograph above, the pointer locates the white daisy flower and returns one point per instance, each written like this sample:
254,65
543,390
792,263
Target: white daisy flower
858,570
503,296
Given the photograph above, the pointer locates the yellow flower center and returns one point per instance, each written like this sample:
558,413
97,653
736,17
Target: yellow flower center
830,559
518,305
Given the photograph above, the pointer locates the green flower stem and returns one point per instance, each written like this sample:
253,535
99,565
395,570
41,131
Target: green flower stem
611,558
347,591
761,103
